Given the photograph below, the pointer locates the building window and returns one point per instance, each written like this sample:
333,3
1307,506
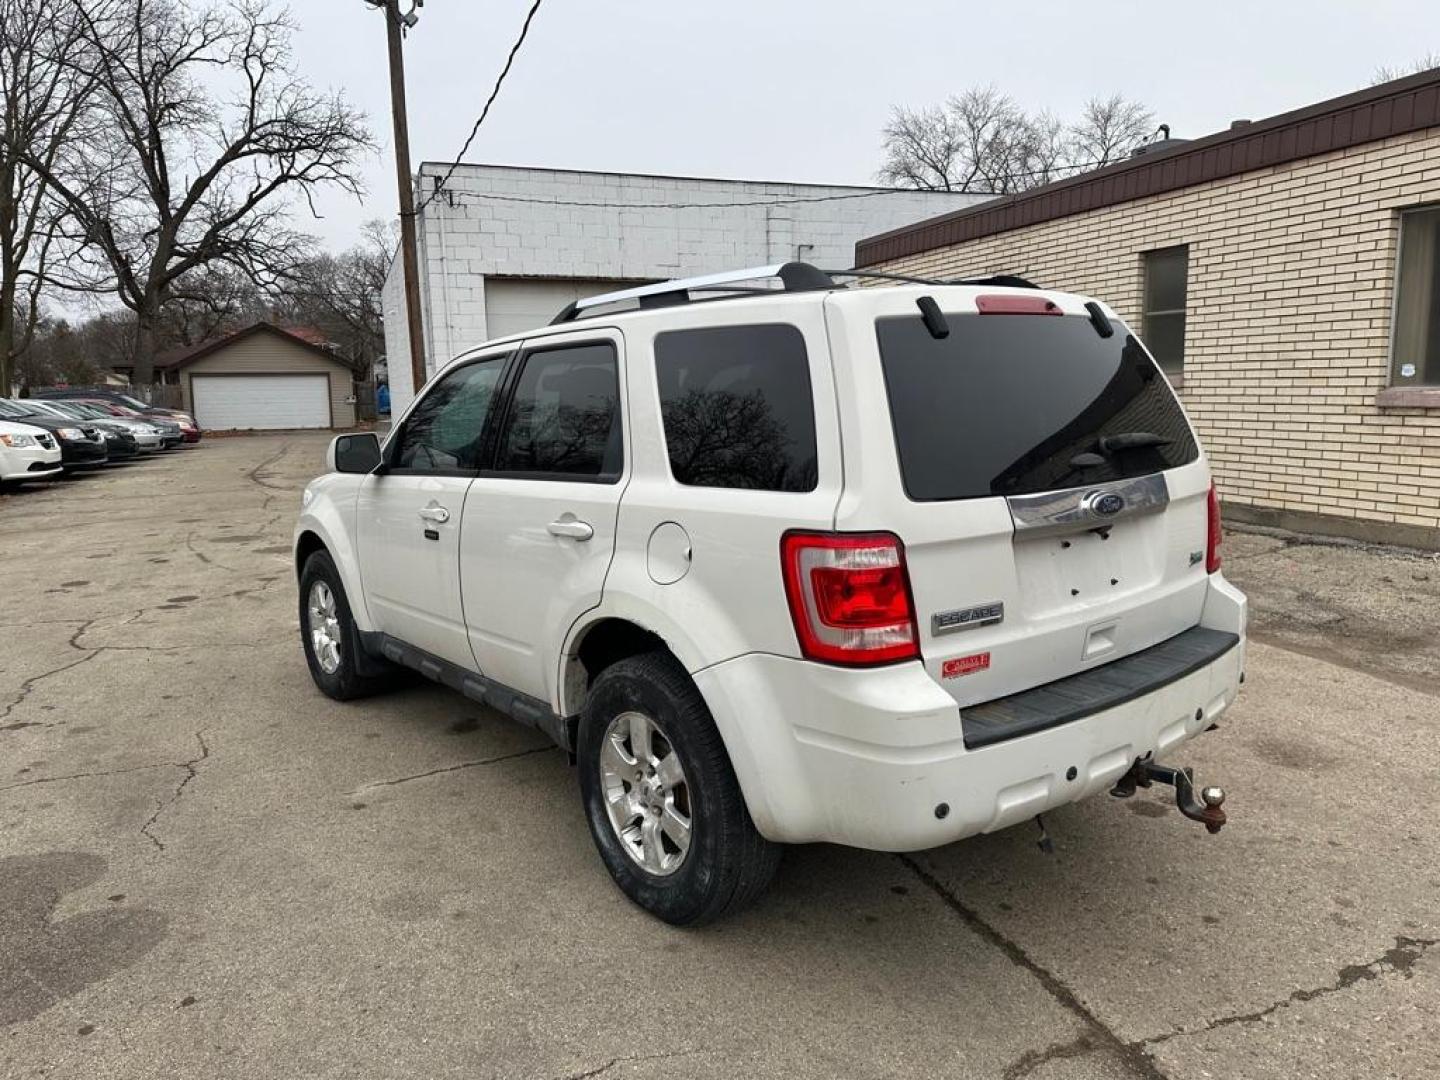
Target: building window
1415,351
1166,274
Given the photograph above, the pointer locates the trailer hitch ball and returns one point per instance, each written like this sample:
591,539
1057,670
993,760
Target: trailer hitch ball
1206,809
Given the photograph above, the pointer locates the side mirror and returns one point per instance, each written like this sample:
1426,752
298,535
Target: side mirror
353,453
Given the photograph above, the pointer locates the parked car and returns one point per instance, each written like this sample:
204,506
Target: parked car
171,432
128,401
124,437
82,446
26,453
878,567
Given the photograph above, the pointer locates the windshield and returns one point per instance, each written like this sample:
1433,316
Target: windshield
11,408
1016,404
132,402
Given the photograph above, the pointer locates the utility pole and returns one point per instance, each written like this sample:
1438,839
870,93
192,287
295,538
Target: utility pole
394,22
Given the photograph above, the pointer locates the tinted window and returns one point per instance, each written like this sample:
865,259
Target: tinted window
443,432
737,407
1007,403
565,417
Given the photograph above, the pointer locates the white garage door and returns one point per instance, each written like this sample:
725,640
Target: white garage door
514,305
261,401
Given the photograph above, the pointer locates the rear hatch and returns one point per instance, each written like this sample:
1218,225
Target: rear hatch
1054,512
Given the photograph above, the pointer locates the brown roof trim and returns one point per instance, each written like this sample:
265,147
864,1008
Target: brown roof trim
1377,112
205,348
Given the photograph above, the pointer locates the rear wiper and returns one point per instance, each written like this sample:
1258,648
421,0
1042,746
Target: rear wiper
1130,440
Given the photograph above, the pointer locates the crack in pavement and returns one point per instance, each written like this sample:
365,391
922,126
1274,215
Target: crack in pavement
191,768
452,768
28,686
1132,1055
254,476
89,775
667,1055
1400,959
1031,1060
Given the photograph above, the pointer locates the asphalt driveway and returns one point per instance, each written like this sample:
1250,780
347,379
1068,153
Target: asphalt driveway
209,869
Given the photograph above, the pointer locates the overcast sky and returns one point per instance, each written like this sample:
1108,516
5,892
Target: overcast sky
799,89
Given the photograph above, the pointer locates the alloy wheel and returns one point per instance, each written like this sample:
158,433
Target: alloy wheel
647,796
324,628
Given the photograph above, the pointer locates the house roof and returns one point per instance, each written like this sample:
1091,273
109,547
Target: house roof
307,336
1377,112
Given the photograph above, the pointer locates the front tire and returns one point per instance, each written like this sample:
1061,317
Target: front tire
329,634
661,797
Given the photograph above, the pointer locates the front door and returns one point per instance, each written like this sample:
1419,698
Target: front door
540,520
407,517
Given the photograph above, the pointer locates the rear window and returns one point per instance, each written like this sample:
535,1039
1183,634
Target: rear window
737,407
1016,404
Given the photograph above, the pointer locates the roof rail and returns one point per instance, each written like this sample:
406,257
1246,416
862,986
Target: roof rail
794,276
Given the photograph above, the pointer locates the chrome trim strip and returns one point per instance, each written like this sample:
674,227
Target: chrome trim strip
1076,509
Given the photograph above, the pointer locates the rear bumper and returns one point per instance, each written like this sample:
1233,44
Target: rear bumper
865,758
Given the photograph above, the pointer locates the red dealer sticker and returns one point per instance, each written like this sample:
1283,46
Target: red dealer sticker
964,665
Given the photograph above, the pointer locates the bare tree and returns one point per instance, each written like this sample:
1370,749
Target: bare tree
1108,130
44,97
982,141
212,140
340,294
1425,63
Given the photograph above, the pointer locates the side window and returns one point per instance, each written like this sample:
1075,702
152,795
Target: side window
564,418
443,433
737,407
1167,271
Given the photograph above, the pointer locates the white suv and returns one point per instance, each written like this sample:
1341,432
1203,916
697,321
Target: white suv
884,567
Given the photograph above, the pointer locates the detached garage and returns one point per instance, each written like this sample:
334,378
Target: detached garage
266,377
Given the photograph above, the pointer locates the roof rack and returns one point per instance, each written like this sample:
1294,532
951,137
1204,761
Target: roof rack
794,277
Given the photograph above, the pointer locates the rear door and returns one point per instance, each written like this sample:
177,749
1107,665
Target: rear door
1042,476
539,525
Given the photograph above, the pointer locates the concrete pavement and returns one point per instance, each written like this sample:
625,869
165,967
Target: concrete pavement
209,869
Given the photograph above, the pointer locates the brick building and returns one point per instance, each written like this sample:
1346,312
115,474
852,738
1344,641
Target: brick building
503,249
1285,272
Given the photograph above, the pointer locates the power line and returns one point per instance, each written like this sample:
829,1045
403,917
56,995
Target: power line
494,93
460,193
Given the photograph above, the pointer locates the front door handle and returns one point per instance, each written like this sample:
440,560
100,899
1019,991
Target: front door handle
436,514
569,526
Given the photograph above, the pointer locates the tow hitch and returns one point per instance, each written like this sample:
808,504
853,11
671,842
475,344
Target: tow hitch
1205,809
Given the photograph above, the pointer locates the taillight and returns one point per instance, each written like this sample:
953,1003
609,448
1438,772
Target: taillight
1212,538
849,597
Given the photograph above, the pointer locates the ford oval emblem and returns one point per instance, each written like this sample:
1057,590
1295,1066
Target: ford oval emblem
1108,504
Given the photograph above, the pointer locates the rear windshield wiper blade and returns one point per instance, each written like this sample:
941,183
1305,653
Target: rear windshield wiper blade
1130,440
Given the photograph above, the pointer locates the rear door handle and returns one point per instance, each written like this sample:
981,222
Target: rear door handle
569,526
436,514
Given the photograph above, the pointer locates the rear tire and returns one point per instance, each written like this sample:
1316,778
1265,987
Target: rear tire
661,797
332,654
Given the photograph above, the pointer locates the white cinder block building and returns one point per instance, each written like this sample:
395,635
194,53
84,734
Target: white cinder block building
502,249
